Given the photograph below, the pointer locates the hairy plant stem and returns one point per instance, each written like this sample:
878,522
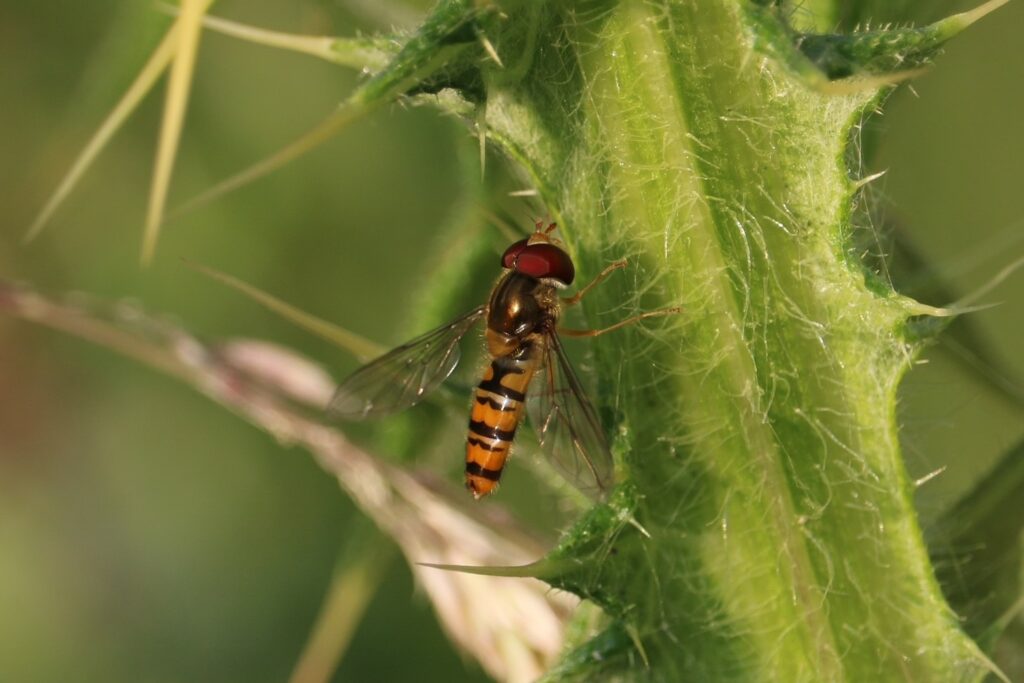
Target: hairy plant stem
757,435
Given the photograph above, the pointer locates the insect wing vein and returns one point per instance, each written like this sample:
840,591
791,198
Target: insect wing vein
402,377
567,425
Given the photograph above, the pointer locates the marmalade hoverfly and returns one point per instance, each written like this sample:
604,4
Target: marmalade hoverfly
527,359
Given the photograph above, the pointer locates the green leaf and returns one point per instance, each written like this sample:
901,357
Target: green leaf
888,51
864,60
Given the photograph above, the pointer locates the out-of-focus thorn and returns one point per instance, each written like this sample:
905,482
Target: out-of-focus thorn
179,85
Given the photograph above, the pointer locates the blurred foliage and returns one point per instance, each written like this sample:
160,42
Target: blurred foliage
144,535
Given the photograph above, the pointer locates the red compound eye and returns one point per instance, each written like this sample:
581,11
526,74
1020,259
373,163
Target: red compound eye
543,260
508,259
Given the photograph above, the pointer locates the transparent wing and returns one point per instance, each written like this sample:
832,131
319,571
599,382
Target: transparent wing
402,377
567,425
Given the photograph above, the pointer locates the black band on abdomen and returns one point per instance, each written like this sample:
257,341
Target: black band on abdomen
484,429
501,367
476,470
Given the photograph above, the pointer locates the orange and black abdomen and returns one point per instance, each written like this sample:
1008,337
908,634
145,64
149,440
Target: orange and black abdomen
497,408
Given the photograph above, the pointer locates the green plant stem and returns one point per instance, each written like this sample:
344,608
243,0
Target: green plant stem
756,430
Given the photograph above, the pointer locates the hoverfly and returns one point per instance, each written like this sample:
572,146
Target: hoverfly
527,359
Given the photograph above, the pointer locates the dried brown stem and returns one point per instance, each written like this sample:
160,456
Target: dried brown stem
513,627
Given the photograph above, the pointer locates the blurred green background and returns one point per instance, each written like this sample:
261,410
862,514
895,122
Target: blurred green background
148,535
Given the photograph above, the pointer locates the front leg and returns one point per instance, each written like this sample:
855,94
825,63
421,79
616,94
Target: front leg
611,268
672,310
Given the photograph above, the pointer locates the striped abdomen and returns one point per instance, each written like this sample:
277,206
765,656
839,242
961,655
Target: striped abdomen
497,409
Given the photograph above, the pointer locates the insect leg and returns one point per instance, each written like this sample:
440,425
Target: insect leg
622,323
609,269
